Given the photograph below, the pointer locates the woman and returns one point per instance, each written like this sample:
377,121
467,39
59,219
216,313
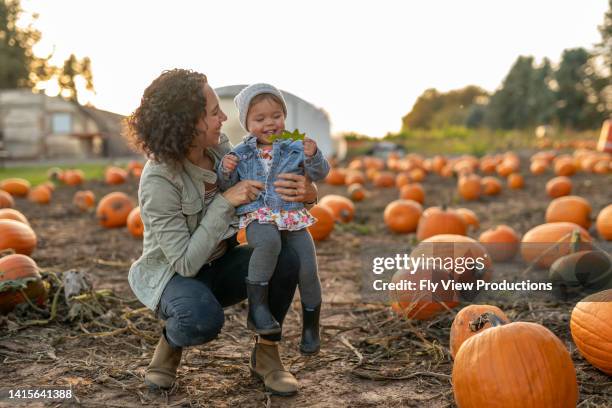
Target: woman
191,267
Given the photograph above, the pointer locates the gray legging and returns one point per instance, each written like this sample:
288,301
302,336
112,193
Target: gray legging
265,239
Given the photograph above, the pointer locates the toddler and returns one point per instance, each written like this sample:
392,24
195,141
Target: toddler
269,220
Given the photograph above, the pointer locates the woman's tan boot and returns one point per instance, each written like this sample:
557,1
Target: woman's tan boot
161,372
268,367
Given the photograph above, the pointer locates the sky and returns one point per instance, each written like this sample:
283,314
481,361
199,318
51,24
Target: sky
364,62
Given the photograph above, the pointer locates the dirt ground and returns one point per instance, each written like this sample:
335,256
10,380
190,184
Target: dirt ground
369,357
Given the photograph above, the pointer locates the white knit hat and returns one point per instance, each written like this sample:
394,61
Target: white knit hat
244,98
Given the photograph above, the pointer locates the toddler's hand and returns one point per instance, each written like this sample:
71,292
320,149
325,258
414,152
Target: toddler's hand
310,146
229,162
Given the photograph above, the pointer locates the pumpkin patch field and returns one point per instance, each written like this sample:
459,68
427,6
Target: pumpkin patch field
530,212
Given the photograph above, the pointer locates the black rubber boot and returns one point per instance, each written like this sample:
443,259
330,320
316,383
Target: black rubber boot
311,341
260,318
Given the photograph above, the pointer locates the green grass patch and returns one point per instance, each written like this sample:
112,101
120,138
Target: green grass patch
37,174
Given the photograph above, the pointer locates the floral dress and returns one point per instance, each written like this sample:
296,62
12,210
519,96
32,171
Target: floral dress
290,220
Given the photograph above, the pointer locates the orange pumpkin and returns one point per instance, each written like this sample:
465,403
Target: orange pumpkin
335,177
504,169
55,174
559,186
50,185
402,216
17,187
115,175
417,175
134,223
17,236
470,218
591,331
12,214
135,165
423,304
354,177
569,209
446,171
437,163
356,192
538,167
604,223
136,172
113,210
341,207
516,181
520,364
502,242
241,236
414,192
84,200
490,186
384,179
324,226
40,195
6,200
460,329
420,305
440,221
546,243
74,177
487,166
565,167
20,271
469,187
402,179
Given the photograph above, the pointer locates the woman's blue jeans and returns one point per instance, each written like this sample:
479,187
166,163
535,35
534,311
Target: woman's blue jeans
193,307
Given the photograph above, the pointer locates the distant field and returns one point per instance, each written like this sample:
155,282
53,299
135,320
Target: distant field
37,173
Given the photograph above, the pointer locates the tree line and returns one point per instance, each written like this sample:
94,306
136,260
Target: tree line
21,68
575,94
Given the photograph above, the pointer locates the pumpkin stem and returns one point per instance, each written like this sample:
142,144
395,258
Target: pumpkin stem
575,241
488,317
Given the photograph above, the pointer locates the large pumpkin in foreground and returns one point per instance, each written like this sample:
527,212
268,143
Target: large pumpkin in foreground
461,330
591,329
17,236
114,209
514,365
19,272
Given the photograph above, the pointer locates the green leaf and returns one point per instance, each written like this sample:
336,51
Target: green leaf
295,135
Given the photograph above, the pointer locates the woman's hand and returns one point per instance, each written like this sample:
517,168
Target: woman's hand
229,162
296,188
243,192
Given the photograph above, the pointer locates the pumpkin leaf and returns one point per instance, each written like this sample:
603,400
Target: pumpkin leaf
16,284
295,135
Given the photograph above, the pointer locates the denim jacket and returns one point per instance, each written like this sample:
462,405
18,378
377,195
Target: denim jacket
287,157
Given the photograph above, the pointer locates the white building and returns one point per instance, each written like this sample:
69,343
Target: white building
301,115
37,126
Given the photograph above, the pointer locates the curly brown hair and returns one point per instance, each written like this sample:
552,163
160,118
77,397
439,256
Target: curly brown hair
164,125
